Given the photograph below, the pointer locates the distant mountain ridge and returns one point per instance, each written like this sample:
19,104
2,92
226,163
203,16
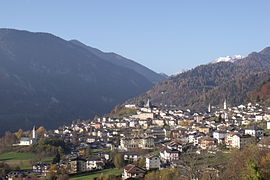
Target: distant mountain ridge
123,62
212,83
46,80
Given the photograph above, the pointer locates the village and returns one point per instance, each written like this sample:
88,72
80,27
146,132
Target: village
154,138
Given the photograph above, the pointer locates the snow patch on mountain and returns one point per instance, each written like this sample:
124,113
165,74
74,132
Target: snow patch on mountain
227,59
180,72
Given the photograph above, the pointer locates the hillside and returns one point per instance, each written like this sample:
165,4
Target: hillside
261,94
46,80
212,83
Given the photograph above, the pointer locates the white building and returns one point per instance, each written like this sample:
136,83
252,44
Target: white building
254,131
268,124
94,164
220,136
152,162
169,155
233,140
236,141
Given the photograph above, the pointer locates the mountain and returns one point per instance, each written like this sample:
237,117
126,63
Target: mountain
46,80
124,62
212,83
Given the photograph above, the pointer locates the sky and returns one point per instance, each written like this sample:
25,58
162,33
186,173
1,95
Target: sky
164,35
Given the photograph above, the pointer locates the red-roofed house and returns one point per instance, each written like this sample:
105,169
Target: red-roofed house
132,171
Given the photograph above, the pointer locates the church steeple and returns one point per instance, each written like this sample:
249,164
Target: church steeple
34,136
148,104
225,104
209,108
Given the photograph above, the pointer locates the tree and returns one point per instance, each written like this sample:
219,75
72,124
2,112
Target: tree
251,163
9,138
41,130
63,177
141,162
19,133
107,177
53,172
4,169
119,160
88,151
165,174
253,171
265,164
152,176
57,158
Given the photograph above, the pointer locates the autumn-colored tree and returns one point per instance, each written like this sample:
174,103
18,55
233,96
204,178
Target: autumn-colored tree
19,133
41,130
164,174
251,163
119,160
141,162
53,171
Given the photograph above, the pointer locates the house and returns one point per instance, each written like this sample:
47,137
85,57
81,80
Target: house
133,171
169,155
259,118
198,118
131,157
20,175
254,131
159,122
98,125
207,142
194,138
94,163
77,165
130,106
41,169
233,140
220,136
144,116
238,141
152,162
175,145
133,143
203,129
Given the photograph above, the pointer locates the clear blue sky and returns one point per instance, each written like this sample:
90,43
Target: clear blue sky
164,35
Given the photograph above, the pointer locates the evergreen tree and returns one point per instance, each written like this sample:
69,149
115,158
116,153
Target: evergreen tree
57,158
88,151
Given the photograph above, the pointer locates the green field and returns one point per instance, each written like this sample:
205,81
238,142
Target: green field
97,174
23,160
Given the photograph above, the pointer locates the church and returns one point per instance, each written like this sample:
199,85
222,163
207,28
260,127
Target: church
26,141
